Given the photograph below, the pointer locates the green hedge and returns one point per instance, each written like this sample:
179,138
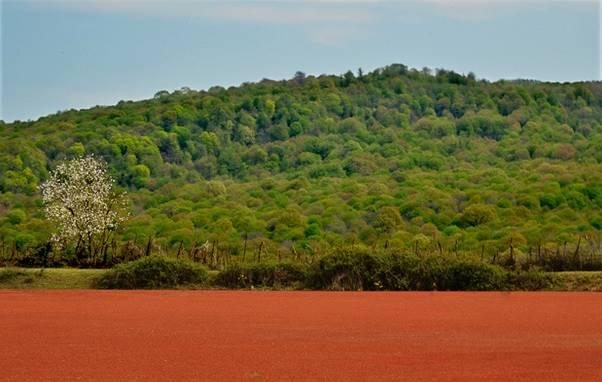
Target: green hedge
344,270
360,270
153,272
264,275
533,279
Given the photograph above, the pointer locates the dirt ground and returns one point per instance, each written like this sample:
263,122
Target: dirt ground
299,336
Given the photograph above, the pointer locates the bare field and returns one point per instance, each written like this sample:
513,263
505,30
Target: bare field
300,336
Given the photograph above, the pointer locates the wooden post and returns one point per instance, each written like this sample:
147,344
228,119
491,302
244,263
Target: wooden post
577,252
193,251
259,253
149,246
244,250
180,249
216,253
295,253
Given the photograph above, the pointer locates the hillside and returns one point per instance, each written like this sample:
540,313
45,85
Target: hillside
396,158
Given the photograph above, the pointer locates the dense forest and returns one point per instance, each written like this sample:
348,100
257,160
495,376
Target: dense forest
415,160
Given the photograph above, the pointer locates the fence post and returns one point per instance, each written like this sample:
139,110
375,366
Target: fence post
149,246
244,250
295,253
259,253
180,249
577,252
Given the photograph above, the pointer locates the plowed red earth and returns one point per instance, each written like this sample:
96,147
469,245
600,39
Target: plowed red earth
299,336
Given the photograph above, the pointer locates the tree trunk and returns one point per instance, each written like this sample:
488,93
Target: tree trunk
91,253
105,254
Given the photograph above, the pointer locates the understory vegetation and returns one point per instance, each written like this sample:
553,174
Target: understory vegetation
336,272
364,270
276,177
153,272
349,270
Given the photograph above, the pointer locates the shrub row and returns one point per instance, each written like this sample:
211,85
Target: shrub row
264,275
344,270
353,270
361,270
153,272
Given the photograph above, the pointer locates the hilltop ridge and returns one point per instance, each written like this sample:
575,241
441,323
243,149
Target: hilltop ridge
395,157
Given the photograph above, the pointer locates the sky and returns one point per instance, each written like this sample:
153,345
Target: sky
64,54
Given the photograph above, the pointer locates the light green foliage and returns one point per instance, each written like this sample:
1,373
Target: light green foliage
478,214
416,160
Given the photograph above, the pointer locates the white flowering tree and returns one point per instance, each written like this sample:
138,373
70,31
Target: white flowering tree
80,200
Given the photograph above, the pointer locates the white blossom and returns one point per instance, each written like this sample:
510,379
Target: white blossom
80,199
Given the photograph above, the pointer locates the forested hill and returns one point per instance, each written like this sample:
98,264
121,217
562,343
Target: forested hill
396,157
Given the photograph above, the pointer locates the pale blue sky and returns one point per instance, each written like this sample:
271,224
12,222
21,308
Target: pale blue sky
60,54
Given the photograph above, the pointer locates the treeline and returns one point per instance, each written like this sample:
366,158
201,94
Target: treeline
417,161
585,255
344,269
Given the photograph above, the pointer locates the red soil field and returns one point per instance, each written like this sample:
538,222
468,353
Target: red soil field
299,336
